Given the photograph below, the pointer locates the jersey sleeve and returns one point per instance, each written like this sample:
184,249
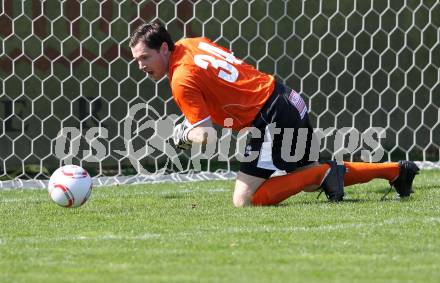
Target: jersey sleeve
189,97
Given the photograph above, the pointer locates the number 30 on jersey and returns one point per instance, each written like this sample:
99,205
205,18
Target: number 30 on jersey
227,71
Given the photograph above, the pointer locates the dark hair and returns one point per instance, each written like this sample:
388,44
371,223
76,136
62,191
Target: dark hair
152,35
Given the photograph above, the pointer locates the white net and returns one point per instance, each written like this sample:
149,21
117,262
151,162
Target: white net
67,65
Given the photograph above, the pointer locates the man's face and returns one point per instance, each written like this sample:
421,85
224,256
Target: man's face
151,61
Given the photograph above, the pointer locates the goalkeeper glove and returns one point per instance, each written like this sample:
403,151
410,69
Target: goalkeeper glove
180,135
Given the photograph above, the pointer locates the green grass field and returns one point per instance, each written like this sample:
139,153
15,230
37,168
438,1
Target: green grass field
190,232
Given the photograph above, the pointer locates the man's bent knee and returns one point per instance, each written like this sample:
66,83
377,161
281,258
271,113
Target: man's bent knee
242,198
245,187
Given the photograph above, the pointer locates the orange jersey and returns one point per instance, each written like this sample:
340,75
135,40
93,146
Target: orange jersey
207,81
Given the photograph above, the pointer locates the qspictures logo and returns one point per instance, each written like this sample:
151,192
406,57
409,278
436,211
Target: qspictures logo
159,141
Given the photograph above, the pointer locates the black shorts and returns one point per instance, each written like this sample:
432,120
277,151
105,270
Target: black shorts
283,114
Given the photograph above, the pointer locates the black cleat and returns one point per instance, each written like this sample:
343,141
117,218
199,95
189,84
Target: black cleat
333,184
403,183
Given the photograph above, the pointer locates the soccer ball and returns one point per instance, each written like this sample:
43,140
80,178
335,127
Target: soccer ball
70,186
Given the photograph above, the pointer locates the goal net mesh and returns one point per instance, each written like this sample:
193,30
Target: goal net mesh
67,65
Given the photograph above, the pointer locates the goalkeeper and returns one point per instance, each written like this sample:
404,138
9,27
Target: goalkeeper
210,85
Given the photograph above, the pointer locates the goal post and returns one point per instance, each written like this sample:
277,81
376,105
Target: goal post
68,81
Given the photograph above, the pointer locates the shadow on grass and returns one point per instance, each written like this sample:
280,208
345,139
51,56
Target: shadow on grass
320,202
415,188
172,196
430,186
324,201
